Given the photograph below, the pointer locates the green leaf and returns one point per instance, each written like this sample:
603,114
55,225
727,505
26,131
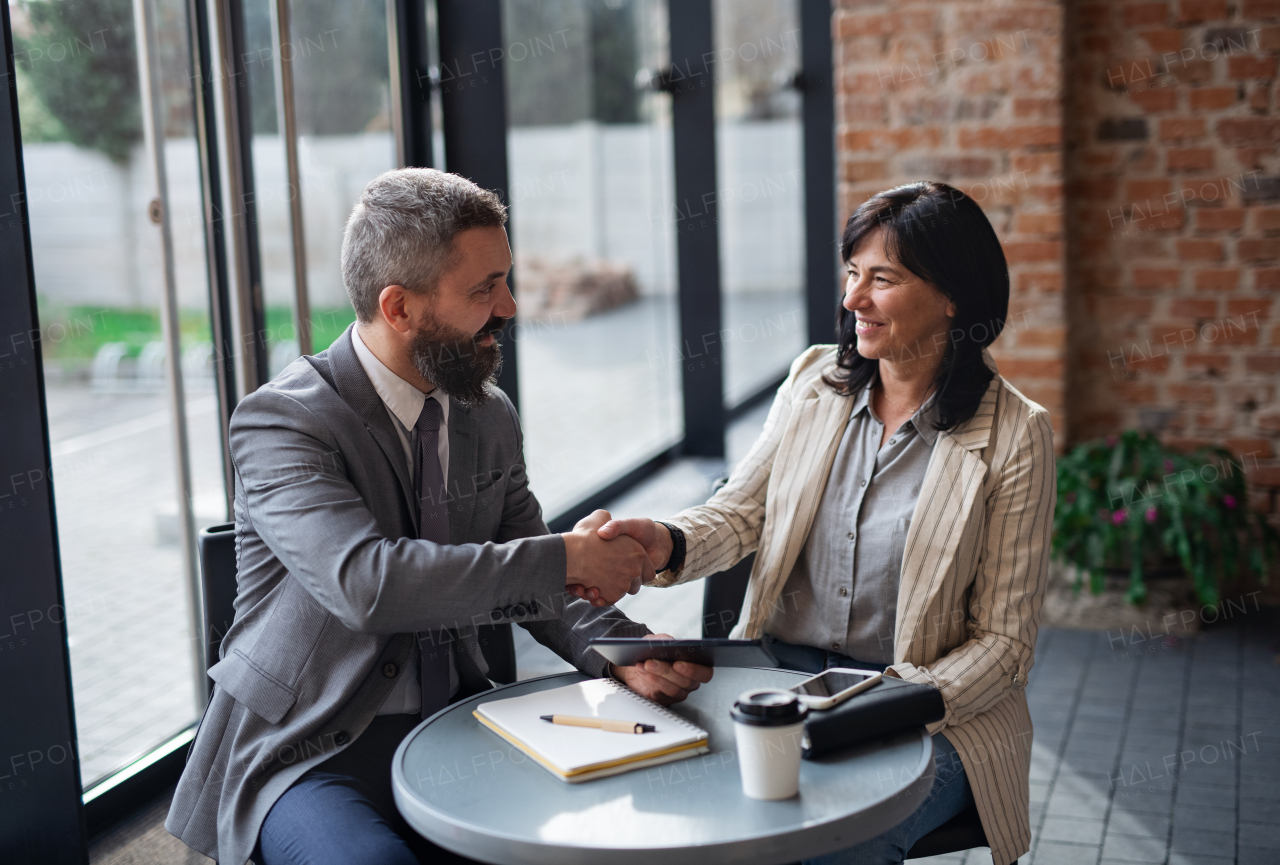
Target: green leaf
81,61
1174,506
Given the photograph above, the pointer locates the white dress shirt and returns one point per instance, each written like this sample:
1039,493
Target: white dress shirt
404,403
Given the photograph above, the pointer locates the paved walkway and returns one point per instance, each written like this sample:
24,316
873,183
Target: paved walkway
125,589
600,395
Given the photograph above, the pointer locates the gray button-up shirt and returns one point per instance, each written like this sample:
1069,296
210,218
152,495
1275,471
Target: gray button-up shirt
843,592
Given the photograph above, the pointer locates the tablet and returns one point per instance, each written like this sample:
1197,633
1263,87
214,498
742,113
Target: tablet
626,651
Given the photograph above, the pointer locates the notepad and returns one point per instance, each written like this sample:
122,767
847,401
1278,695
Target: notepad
576,754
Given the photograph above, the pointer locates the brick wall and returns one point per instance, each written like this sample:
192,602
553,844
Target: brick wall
1173,202
1150,305
968,93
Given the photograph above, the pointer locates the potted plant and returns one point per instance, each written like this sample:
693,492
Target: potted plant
1132,503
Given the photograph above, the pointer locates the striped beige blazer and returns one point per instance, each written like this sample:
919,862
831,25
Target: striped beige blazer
973,571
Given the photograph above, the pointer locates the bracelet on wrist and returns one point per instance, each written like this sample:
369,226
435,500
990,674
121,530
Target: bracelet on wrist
676,560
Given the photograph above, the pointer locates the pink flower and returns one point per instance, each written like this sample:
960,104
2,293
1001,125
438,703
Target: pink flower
1168,466
1229,501
1111,441
1118,517
1151,514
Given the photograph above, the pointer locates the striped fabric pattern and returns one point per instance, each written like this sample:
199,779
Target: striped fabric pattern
973,573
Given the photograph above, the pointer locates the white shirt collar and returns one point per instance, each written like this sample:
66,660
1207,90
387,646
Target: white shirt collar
401,398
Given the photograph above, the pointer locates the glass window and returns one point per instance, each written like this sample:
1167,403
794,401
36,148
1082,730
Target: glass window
591,195
100,280
271,189
760,190
342,96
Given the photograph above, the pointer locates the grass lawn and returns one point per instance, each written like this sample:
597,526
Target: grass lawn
75,333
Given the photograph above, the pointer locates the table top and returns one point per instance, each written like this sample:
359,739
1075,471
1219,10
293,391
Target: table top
467,789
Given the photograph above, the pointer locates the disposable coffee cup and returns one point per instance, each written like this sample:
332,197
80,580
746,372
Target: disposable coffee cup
769,727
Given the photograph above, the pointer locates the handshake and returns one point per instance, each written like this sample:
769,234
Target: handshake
609,558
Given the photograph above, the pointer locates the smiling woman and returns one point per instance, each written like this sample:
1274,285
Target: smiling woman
928,291
899,503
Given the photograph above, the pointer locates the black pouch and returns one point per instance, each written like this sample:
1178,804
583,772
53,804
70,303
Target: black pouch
890,706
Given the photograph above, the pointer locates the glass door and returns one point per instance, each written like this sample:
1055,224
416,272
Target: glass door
760,190
342,98
273,190
591,192
114,195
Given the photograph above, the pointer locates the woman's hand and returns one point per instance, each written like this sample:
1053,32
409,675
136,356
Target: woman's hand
598,571
654,537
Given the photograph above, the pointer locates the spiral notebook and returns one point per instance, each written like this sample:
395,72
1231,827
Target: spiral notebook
575,754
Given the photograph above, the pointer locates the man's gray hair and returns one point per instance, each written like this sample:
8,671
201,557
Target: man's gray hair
402,230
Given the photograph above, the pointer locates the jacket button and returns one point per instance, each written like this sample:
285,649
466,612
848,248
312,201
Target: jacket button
496,614
520,610
509,611
390,670
341,737
533,607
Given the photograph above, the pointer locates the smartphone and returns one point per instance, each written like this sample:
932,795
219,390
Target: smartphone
834,686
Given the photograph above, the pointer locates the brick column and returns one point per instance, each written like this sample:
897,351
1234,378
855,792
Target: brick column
968,93
1174,228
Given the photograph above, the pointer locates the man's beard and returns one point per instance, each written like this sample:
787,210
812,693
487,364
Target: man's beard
453,360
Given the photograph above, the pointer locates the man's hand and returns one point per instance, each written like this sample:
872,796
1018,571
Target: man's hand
660,681
655,538
599,570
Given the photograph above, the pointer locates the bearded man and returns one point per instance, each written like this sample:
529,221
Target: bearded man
384,526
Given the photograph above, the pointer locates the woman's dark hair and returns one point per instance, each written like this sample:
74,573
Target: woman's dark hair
942,236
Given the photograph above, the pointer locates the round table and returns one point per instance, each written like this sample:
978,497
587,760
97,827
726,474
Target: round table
468,790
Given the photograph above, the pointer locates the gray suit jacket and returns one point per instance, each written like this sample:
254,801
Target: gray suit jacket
332,584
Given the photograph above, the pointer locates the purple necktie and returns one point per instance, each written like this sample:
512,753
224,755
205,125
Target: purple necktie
433,525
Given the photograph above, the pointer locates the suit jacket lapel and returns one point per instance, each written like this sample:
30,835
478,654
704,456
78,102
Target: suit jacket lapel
805,454
463,468
952,485
357,391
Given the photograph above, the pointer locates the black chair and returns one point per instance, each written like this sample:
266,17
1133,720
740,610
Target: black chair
217,587
722,597
961,832
499,649
218,590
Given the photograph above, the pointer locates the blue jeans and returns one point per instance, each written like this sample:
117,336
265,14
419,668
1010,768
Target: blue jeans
343,811
950,794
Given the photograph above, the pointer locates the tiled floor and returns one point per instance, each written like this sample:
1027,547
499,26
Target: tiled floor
1155,751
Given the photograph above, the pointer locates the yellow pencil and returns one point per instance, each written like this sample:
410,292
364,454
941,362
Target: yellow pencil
601,724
